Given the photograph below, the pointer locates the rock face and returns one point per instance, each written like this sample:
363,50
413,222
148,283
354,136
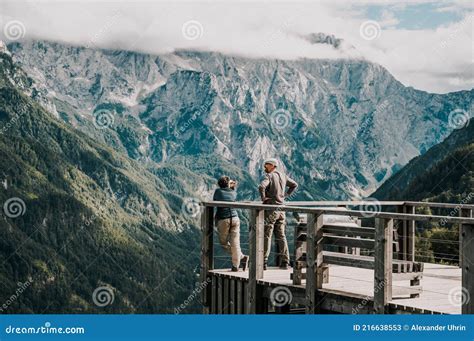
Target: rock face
445,173
4,48
341,127
78,217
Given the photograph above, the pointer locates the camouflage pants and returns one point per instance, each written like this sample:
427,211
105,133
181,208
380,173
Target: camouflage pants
275,221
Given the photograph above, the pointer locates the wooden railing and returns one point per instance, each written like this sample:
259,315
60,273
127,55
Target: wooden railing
407,230
383,256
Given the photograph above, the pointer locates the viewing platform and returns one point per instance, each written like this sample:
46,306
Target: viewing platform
345,260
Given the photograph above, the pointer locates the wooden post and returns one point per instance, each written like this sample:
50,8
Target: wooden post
383,264
402,233
298,252
214,295
256,257
220,296
239,298
467,231
207,254
232,302
411,228
314,262
467,213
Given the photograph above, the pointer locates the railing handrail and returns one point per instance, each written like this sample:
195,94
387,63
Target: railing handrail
322,210
344,203
374,202
438,204
381,203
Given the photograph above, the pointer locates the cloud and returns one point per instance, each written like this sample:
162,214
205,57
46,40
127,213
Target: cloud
435,60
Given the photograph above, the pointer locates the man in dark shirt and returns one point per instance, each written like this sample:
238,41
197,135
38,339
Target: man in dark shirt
228,223
272,192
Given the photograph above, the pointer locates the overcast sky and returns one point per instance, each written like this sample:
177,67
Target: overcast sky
424,44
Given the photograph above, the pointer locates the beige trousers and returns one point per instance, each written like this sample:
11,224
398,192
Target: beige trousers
229,238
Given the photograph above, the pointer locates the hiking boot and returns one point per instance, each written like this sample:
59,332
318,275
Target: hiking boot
284,265
235,269
244,261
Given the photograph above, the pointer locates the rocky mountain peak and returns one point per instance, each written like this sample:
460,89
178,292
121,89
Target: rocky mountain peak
4,48
323,38
318,116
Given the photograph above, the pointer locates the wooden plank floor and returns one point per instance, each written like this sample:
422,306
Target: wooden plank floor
441,285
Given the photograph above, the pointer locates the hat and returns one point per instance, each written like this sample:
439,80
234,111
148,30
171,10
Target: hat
271,161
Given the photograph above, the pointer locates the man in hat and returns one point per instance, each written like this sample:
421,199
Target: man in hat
272,192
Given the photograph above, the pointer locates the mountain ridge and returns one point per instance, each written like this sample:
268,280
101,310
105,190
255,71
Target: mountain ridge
325,120
78,216
445,173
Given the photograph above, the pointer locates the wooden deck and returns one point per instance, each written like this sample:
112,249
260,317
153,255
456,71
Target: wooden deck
439,282
331,275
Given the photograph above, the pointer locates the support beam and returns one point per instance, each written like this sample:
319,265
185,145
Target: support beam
220,295
298,254
402,233
467,213
207,254
383,255
232,294
467,247
240,295
314,255
214,295
256,257
411,228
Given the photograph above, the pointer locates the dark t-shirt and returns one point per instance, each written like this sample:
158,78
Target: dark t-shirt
225,194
